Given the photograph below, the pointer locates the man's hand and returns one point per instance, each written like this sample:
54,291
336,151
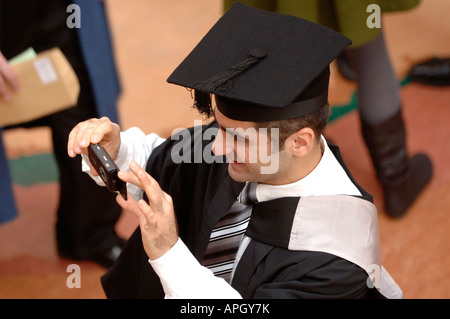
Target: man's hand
157,219
94,131
7,77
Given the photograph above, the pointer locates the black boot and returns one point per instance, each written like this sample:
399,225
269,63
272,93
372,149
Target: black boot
401,177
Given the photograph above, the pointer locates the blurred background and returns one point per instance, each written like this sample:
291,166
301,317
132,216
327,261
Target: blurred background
150,39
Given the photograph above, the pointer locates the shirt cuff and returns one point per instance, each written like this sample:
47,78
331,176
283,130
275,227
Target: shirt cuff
182,276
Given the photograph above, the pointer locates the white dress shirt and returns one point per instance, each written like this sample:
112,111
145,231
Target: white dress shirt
181,275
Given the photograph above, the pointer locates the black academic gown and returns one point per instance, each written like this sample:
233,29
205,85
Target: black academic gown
202,193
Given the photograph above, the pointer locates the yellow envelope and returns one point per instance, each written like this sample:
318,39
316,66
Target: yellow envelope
48,84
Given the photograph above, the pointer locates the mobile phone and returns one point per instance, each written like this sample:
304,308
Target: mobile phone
107,169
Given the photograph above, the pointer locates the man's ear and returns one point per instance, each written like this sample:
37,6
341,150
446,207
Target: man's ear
301,142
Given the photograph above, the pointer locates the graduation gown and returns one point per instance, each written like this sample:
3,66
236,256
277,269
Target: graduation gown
271,267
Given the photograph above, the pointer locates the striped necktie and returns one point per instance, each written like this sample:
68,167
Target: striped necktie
227,234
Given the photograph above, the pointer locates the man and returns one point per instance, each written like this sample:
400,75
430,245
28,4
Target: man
86,214
311,231
402,177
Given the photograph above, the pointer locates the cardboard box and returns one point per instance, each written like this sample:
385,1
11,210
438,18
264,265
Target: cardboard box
48,84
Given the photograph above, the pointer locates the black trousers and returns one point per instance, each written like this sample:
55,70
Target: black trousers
87,213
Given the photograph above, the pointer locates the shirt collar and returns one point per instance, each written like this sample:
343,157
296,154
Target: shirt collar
327,178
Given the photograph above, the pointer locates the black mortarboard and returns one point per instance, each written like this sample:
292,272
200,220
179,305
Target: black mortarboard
261,65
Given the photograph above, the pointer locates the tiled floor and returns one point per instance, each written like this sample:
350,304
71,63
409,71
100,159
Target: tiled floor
151,38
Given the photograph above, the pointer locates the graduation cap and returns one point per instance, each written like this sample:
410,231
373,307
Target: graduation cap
261,65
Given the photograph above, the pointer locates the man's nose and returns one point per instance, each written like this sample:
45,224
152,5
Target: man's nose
220,147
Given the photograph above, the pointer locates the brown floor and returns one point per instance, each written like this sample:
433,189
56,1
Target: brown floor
151,38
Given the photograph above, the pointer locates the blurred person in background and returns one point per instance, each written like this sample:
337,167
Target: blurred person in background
86,214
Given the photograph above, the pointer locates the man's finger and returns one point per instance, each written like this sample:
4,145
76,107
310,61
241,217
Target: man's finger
140,209
129,178
130,204
82,134
76,142
104,127
93,170
148,184
147,212
71,141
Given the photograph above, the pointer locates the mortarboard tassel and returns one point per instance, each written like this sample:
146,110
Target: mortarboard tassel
222,83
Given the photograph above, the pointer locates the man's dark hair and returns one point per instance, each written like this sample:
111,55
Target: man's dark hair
316,121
